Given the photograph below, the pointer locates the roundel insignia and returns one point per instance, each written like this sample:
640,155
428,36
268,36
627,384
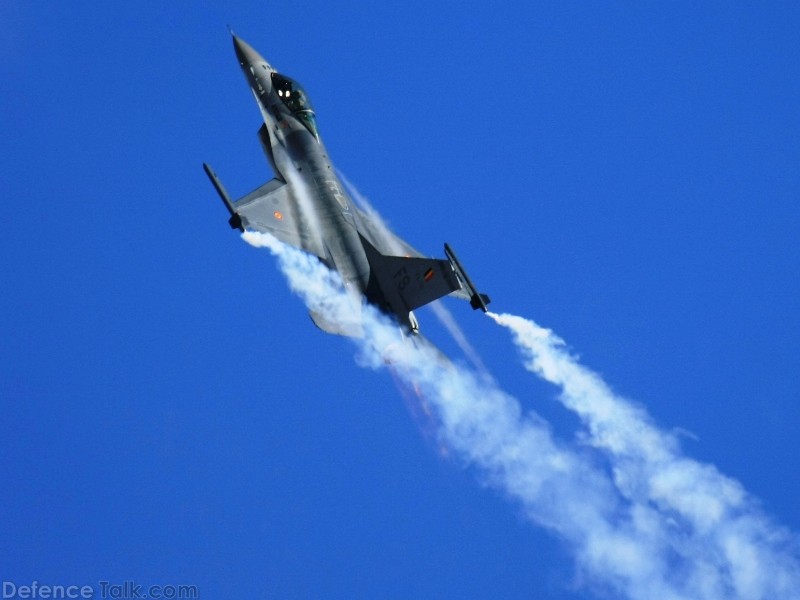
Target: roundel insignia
278,215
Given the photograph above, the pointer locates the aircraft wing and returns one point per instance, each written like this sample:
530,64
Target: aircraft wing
271,208
377,233
410,282
419,281
389,243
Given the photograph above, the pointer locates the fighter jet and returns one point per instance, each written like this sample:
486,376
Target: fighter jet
306,206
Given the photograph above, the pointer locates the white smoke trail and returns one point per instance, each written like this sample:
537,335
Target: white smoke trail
738,552
449,322
441,312
308,208
673,542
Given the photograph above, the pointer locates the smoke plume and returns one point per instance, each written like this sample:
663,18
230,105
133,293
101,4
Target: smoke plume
643,521
441,312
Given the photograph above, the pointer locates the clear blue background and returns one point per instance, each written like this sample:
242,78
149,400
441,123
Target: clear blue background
625,174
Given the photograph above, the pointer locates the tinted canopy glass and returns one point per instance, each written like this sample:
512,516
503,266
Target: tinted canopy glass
296,100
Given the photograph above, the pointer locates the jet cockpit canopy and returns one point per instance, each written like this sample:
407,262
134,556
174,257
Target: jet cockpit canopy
296,100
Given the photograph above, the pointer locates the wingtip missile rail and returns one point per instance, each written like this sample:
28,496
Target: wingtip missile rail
235,221
476,299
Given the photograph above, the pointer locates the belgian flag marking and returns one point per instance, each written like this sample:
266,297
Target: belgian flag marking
428,275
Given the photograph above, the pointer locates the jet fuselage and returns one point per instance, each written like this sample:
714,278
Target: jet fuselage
307,207
299,157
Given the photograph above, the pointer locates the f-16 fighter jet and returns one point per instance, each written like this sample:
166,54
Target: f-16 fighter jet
307,206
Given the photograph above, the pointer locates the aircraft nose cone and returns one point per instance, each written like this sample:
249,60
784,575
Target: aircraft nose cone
244,52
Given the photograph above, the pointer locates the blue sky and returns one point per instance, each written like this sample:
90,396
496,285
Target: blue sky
625,175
